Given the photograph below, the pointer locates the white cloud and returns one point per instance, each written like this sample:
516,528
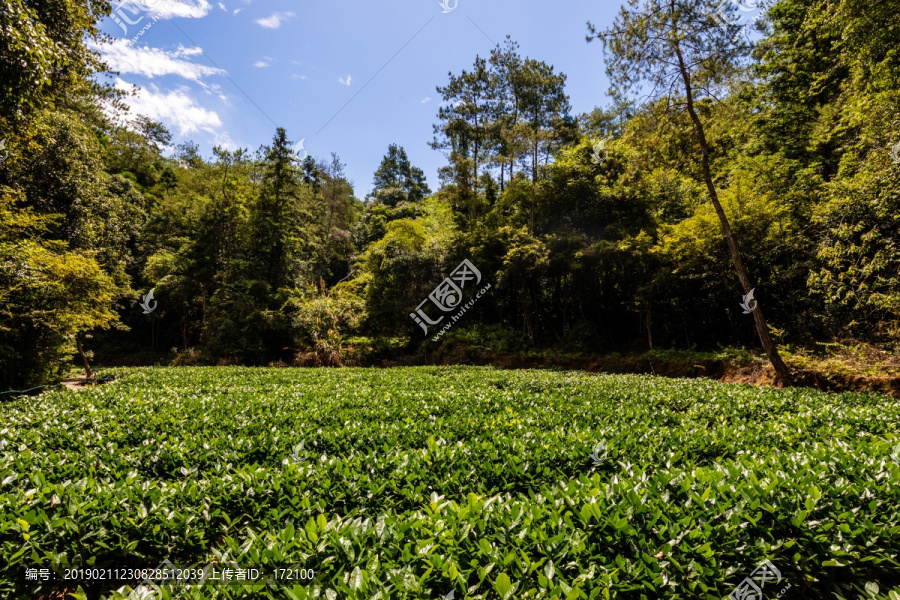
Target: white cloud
123,56
344,81
265,62
224,140
215,89
176,109
192,9
295,76
274,20
425,99
222,6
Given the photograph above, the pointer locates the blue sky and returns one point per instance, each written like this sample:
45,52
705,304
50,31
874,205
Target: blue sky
227,72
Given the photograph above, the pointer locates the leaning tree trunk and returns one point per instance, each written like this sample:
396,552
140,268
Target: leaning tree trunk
87,366
782,374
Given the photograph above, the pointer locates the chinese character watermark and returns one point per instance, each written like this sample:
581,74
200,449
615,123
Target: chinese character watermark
35,574
751,588
448,295
123,11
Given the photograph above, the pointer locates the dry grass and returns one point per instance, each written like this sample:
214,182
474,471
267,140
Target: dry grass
845,358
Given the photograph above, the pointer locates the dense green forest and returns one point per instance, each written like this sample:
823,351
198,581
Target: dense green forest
597,232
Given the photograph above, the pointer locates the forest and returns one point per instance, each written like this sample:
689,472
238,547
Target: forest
597,232
234,361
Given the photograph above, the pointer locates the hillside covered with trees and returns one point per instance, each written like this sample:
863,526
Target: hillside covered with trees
598,232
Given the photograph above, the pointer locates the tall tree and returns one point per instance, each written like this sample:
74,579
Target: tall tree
465,119
505,111
282,215
546,111
396,172
658,46
546,107
334,249
338,193
506,63
49,296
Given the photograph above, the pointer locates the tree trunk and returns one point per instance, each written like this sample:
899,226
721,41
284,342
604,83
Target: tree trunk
534,151
782,375
532,209
476,165
87,366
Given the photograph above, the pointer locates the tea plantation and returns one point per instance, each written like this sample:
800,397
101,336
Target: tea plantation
419,482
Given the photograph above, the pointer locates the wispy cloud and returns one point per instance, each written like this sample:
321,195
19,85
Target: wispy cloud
345,81
274,20
124,56
295,76
222,6
425,99
192,9
215,89
176,109
265,62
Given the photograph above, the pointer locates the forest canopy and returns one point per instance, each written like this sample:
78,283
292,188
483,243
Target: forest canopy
598,232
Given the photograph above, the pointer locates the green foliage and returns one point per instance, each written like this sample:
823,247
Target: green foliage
412,482
238,325
609,250
323,322
45,53
48,296
281,219
59,171
492,339
859,253
66,226
396,180
503,113
835,82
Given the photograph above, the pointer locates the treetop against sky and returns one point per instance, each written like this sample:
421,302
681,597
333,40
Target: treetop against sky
342,76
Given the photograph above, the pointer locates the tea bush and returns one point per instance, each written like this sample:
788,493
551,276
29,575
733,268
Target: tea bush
410,483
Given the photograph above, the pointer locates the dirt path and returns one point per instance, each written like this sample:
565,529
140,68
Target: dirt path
78,383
